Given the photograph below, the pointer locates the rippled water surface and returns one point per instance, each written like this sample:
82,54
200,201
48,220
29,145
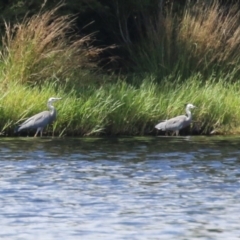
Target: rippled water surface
125,188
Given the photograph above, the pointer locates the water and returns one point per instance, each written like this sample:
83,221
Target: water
127,188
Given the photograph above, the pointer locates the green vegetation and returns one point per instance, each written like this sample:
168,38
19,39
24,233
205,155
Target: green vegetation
194,61
120,108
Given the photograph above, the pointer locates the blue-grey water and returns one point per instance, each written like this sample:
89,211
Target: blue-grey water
120,188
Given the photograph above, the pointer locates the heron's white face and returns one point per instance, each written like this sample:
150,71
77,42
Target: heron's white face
53,99
190,106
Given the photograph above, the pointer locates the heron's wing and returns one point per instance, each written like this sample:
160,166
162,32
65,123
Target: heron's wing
177,123
39,120
161,125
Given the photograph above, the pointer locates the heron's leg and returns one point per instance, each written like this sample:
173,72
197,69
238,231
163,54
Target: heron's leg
177,133
37,132
41,131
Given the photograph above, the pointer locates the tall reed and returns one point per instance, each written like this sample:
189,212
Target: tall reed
204,38
43,47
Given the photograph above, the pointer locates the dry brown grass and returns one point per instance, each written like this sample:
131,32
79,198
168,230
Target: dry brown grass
211,34
204,38
44,46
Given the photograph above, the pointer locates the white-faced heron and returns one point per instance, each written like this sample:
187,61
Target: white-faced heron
40,120
177,123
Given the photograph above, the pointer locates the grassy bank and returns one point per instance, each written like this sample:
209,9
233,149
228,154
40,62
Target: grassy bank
42,58
122,109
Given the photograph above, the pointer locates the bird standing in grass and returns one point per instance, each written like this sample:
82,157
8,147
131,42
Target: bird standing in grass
40,120
177,123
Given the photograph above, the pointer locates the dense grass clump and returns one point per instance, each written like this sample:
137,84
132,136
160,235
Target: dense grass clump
203,38
44,47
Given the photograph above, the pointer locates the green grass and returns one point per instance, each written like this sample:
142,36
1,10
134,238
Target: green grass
123,109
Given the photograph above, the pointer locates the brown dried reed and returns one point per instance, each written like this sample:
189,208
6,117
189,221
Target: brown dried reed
43,47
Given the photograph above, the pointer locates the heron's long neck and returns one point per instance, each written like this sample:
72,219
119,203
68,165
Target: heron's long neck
189,114
51,108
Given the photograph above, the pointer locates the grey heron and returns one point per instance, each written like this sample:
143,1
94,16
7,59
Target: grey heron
177,123
40,120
